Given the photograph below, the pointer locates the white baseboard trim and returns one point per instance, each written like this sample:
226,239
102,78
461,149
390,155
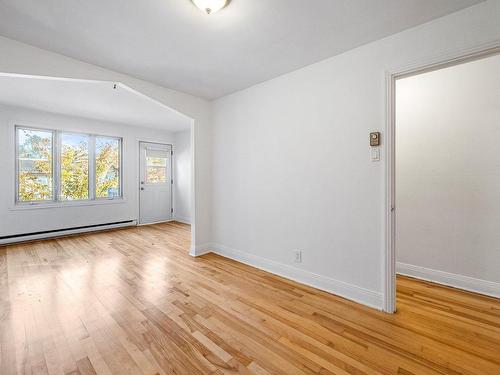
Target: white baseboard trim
349,291
182,219
200,250
155,222
468,283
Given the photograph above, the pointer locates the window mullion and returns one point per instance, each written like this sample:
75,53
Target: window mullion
92,172
120,165
16,131
56,165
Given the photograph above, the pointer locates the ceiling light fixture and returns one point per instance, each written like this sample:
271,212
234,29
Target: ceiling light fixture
210,6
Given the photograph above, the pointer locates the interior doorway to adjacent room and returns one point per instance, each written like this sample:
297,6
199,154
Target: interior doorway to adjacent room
446,175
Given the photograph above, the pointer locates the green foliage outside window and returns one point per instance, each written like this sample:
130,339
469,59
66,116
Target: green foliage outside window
35,165
107,166
74,167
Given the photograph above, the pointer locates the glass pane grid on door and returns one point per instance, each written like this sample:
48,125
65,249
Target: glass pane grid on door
156,170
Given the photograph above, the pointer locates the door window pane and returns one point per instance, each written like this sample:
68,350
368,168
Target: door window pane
156,175
74,166
35,175
107,164
156,166
156,162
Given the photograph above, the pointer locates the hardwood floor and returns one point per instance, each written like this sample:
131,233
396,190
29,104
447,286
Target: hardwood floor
133,301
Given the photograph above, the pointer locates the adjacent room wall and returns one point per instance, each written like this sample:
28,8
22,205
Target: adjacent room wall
291,159
21,58
448,173
19,220
182,176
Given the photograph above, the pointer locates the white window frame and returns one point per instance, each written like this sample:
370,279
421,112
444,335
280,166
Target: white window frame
56,169
54,141
92,177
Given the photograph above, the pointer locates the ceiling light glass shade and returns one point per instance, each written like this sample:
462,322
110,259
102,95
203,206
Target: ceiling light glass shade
210,6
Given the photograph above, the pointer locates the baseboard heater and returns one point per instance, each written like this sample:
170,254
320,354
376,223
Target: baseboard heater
64,232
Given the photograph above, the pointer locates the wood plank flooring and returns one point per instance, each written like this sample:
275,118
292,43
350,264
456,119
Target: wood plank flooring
133,301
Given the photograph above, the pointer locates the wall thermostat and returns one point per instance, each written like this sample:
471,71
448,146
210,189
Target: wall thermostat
375,139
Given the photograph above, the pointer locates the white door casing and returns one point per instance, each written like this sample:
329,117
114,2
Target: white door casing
434,63
155,182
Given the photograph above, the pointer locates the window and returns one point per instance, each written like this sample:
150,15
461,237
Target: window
34,165
156,167
107,167
74,163
57,166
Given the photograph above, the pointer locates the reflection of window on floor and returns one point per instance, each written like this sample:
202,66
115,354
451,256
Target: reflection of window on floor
38,159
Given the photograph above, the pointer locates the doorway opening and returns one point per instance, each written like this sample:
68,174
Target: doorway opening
91,181
443,176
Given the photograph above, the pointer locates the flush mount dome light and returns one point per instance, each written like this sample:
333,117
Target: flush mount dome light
210,6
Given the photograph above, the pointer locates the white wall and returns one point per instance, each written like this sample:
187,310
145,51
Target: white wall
291,159
182,176
17,57
19,220
448,170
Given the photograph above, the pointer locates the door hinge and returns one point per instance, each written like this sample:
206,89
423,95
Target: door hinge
172,181
171,152
172,210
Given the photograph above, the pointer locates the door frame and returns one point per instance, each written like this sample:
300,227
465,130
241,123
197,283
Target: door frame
139,182
435,63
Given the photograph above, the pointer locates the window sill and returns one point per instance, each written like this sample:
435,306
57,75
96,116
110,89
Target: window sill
37,206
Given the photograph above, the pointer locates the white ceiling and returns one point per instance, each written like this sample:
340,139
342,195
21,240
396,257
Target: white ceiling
172,43
97,100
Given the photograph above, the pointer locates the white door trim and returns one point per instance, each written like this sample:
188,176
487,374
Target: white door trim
434,63
139,187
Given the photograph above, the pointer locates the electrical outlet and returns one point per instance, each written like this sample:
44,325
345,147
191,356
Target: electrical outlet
297,256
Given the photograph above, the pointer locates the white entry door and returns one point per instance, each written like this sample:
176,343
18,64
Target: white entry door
155,182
